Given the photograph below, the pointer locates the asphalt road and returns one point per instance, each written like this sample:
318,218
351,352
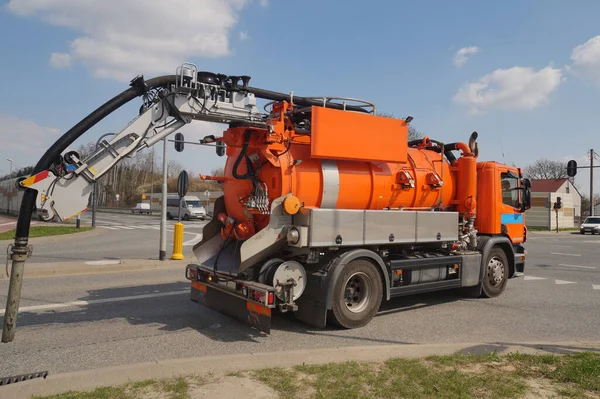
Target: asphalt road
117,236
145,316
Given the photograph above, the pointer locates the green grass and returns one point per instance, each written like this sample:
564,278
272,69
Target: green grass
447,377
559,229
457,376
45,231
175,388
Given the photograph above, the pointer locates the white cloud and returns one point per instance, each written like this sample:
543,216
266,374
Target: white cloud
244,35
586,60
24,140
264,3
60,60
461,56
121,39
516,87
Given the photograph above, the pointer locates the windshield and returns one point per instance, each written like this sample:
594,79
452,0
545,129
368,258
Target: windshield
592,220
193,204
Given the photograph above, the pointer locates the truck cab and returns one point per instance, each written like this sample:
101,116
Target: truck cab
505,195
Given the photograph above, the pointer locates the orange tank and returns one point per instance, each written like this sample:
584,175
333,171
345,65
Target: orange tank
284,161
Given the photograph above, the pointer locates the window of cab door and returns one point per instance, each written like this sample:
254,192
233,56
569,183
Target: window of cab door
510,193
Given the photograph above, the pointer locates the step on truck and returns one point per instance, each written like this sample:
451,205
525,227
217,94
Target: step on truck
327,210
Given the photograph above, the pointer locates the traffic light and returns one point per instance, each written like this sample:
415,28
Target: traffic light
571,168
179,142
558,204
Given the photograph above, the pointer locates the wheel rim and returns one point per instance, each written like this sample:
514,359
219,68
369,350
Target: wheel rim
495,271
357,292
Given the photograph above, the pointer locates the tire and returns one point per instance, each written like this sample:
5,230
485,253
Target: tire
495,273
362,277
169,216
582,232
186,217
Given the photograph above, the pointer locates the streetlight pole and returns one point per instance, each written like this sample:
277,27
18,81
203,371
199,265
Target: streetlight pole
94,193
162,253
10,189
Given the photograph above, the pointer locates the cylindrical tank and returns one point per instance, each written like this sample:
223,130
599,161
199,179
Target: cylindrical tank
426,181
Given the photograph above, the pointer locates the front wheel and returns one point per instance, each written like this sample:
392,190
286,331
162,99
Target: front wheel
357,294
495,275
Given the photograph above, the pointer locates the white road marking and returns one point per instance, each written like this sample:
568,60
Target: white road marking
560,253
110,228
193,241
7,224
103,262
583,267
564,282
97,301
534,278
596,286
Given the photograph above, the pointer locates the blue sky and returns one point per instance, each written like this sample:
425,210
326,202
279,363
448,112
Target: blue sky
528,79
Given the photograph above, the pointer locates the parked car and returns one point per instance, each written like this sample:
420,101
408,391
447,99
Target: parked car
141,207
591,224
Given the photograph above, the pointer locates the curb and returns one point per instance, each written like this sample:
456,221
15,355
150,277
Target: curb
38,270
89,380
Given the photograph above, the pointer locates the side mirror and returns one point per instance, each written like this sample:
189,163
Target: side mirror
526,199
527,183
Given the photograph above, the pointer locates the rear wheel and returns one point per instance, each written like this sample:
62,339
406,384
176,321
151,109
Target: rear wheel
495,274
357,294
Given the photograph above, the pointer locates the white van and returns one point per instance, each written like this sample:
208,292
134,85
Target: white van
191,207
141,207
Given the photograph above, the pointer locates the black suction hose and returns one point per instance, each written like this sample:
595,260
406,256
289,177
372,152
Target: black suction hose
302,101
45,162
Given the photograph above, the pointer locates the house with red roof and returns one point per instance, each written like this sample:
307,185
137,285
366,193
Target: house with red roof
543,196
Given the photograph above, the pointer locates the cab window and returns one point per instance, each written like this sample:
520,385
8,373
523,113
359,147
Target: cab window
510,194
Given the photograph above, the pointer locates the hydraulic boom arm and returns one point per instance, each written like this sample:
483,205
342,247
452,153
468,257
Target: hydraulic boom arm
64,189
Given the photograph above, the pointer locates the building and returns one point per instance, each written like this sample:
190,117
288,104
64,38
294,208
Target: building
543,196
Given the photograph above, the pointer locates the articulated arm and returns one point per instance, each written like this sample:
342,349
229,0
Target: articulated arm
64,189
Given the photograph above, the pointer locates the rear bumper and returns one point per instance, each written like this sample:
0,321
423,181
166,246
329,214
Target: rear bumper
233,298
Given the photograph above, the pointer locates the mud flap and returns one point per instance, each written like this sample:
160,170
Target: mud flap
234,306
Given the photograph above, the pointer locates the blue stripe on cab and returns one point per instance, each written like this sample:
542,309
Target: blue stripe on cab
512,218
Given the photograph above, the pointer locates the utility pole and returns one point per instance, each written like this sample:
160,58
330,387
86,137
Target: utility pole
162,255
592,182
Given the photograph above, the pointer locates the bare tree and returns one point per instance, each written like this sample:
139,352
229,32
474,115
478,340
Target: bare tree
546,169
174,168
413,134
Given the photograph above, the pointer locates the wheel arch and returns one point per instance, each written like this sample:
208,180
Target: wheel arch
338,264
485,245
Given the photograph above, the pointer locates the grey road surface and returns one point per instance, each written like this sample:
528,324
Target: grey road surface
145,316
117,236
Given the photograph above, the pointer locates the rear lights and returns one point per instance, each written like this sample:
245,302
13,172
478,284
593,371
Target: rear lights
191,273
271,298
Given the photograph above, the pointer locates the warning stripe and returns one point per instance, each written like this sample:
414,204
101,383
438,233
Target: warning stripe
255,307
199,286
34,179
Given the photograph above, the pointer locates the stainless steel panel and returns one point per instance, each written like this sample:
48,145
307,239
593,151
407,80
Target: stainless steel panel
326,224
379,225
471,267
331,183
437,226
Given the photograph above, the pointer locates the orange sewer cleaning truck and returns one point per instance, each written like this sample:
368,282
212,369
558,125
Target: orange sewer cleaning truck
327,208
